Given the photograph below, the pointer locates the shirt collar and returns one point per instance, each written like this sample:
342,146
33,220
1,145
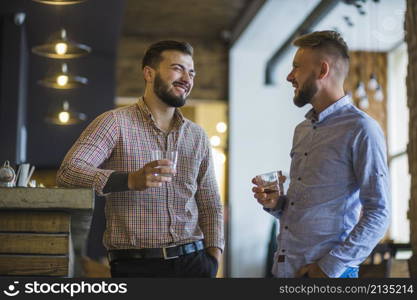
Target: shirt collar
312,115
178,116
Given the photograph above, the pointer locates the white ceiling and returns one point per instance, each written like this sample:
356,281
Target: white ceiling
273,24
380,29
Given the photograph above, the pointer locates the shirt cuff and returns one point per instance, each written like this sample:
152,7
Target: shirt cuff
332,266
117,182
100,180
277,210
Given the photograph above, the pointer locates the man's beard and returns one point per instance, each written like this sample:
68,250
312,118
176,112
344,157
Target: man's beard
309,89
161,89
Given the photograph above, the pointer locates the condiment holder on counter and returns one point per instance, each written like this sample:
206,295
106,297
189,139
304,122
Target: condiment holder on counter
8,177
24,173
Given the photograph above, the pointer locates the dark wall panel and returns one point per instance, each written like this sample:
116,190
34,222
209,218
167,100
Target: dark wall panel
96,23
13,89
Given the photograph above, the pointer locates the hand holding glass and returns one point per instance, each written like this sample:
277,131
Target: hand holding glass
272,182
167,155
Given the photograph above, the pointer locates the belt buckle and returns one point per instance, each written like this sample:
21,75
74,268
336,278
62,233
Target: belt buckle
164,251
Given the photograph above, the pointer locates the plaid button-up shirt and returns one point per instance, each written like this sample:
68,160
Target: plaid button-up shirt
182,211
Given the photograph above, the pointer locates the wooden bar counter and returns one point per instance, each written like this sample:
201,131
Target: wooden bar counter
43,231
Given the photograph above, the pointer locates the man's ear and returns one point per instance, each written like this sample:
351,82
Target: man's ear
324,69
148,74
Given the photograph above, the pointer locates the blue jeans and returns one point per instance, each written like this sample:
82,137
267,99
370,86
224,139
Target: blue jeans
351,272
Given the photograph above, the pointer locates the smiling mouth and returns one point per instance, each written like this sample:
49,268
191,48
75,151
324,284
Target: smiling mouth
181,86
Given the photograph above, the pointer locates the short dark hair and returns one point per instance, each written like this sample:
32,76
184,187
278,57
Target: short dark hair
153,56
331,42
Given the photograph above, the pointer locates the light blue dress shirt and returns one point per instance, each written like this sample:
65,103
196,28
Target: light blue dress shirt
336,209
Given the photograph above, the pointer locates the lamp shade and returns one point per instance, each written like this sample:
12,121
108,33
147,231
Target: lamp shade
63,80
62,48
66,116
59,2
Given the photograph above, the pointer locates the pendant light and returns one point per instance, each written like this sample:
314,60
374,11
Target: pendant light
364,102
373,82
63,80
62,48
360,90
59,2
379,94
66,116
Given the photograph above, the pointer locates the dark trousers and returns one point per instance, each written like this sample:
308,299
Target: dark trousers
196,264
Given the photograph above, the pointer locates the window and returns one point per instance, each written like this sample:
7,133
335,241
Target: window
398,119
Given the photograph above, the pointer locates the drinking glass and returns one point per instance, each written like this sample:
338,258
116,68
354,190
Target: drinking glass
270,182
169,155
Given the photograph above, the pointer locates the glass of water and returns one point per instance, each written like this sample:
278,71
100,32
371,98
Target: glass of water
169,155
270,182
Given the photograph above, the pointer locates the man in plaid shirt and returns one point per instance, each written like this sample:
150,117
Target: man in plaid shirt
157,226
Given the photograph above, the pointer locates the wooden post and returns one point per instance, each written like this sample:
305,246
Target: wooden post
411,39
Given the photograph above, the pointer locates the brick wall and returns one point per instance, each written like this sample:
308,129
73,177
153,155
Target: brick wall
411,38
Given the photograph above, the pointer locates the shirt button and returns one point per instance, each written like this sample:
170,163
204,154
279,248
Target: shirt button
314,127
283,250
286,227
292,203
305,153
299,178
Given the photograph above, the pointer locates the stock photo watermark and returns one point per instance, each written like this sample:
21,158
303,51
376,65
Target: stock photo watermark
72,289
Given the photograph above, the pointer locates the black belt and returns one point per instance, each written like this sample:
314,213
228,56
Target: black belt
169,252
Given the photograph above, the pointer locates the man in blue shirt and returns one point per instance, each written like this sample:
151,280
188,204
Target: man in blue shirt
336,209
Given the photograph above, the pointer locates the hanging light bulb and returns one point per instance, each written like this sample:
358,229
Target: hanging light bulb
61,48
364,102
64,80
379,94
373,82
360,90
66,116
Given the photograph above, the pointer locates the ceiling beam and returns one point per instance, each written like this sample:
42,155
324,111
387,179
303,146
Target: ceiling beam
248,14
318,13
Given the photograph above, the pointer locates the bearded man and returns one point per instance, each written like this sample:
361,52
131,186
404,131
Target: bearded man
162,220
336,209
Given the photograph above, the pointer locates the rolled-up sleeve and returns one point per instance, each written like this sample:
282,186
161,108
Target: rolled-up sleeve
370,169
210,208
81,165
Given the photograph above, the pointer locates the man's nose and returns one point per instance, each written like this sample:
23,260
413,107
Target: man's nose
290,77
186,77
